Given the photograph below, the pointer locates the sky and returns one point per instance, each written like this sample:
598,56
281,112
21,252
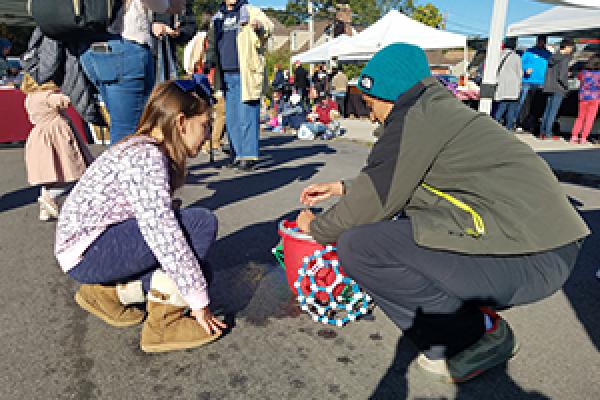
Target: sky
464,16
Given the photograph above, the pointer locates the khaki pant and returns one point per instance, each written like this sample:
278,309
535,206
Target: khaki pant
218,127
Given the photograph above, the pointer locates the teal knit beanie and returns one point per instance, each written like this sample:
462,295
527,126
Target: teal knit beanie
393,70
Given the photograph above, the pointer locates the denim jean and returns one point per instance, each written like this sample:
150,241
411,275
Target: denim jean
242,119
124,77
310,130
525,88
508,107
121,254
552,106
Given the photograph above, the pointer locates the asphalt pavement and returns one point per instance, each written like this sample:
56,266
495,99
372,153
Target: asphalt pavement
51,349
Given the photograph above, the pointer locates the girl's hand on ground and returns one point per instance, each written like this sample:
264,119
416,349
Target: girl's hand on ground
304,219
316,193
208,321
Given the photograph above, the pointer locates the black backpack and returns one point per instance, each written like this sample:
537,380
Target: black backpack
68,20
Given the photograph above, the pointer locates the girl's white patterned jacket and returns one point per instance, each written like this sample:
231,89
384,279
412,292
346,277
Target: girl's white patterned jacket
130,180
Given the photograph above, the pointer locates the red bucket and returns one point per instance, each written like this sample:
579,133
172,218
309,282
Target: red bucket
323,290
296,246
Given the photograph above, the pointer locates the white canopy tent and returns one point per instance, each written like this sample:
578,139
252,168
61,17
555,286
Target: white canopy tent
557,20
492,59
320,54
392,28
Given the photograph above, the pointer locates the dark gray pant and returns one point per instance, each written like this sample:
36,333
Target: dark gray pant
434,296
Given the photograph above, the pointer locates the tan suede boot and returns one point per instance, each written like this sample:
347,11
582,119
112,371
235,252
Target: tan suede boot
104,302
167,328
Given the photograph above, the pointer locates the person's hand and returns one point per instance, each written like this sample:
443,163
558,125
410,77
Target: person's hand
304,219
173,32
159,29
318,192
528,71
208,321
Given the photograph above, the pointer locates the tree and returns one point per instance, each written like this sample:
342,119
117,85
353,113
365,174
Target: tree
296,11
428,15
203,10
365,11
404,6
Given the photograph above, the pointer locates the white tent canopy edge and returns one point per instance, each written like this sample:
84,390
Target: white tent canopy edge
557,19
396,27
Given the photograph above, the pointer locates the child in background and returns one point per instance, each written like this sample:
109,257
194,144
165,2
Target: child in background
589,98
55,157
273,123
120,235
323,121
293,114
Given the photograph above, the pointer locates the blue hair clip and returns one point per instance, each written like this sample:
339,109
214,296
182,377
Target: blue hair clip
199,84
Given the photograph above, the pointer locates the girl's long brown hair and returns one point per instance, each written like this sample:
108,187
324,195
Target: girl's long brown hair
159,121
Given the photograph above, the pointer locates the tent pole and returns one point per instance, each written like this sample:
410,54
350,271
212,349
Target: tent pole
465,62
492,58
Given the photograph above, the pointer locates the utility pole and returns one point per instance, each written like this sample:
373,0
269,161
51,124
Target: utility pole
311,24
311,30
492,58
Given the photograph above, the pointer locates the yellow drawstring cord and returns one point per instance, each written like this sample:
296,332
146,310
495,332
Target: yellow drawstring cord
477,220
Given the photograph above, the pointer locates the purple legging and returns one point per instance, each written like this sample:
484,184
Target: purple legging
121,254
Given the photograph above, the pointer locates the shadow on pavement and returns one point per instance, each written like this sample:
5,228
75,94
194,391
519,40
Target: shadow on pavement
240,187
247,280
577,178
581,167
583,289
494,384
19,198
278,156
272,157
583,292
276,140
394,385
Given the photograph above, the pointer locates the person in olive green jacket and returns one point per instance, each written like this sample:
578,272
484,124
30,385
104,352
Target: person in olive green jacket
451,219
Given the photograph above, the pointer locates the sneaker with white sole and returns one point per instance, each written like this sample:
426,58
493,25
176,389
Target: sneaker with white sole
496,346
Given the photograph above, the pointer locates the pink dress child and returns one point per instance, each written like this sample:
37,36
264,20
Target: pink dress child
54,156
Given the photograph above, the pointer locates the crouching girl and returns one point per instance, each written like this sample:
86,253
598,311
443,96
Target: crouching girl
120,237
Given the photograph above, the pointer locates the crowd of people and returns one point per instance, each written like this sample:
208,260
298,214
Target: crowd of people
522,77
309,106
442,226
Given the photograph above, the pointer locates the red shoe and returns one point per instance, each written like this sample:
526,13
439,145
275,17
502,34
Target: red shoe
556,138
